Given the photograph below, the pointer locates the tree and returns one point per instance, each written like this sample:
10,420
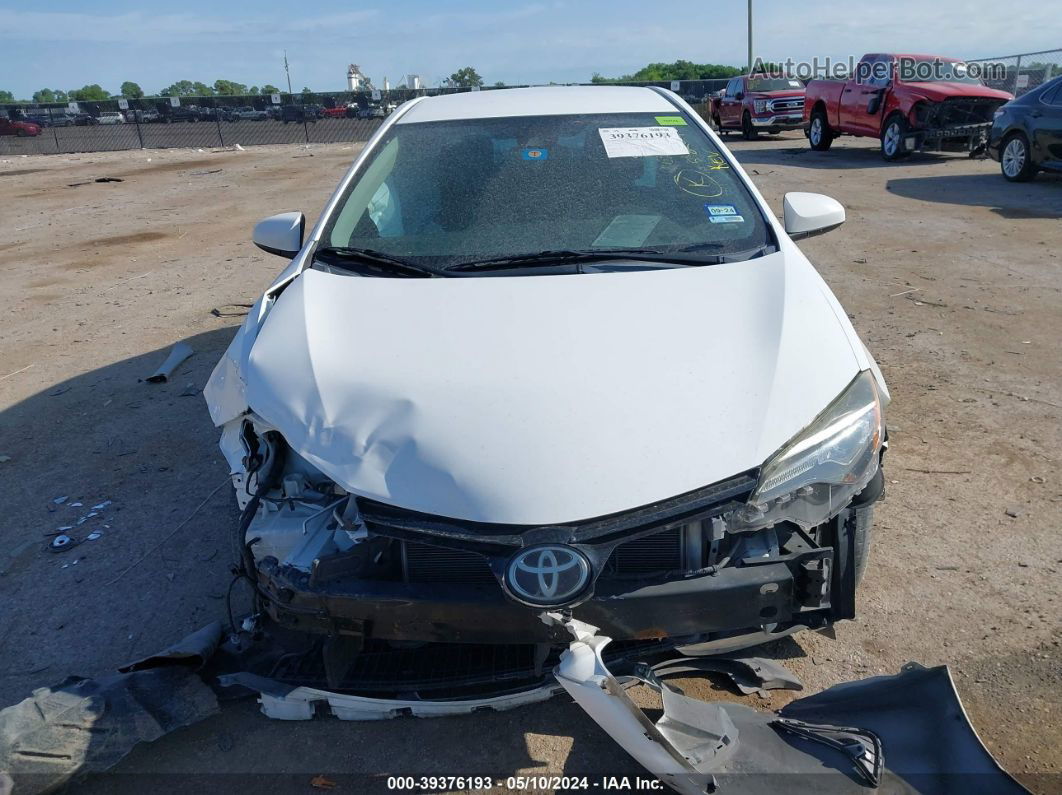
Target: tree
182,88
466,78
268,89
679,70
500,84
229,88
307,91
48,95
7,97
253,91
88,93
202,89
131,90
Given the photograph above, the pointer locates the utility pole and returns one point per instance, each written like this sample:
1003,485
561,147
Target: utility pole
750,38
288,74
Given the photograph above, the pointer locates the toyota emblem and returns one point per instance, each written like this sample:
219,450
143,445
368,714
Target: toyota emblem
548,576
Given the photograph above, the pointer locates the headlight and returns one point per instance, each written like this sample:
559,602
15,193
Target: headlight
998,113
816,474
760,105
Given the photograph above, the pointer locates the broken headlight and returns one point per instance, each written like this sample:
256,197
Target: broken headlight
819,472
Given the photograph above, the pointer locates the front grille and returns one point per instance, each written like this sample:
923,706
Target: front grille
659,552
425,563
794,104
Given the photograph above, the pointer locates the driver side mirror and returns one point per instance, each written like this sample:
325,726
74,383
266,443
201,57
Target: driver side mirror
280,234
807,214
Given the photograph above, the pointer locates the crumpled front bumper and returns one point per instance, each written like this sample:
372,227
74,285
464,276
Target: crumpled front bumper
735,601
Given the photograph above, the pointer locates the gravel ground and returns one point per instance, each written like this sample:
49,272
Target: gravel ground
952,277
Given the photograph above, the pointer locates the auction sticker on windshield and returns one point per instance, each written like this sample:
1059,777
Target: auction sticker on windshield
642,141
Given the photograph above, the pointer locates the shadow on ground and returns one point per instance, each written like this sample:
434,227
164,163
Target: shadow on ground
1041,198
839,157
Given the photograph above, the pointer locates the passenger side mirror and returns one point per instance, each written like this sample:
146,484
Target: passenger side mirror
807,214
280,234
739,95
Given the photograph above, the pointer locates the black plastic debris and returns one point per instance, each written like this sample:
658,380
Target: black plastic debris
83,726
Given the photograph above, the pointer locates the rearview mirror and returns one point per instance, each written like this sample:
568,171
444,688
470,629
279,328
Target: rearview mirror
280,234
807,214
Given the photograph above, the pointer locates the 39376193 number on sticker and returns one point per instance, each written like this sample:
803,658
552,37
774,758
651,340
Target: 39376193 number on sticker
642,141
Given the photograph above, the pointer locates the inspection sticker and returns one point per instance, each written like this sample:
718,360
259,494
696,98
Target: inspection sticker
642,141
720,209
727,219
534,153
671,121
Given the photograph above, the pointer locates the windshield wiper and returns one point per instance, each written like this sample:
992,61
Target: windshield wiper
371,260
685,256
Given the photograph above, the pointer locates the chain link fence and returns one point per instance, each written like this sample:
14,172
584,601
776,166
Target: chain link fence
1024,72
205,122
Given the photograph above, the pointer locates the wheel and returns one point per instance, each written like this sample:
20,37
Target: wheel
717,122
819,135
1015,159
748,132
892,145
21,133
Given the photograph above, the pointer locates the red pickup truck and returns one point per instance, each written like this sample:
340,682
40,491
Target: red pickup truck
910,102
759,103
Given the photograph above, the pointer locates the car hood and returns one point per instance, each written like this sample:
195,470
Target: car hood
548,399
939,91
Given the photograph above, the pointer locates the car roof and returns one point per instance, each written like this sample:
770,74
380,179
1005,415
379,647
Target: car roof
539,101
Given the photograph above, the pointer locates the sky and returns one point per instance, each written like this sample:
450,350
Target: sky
66,44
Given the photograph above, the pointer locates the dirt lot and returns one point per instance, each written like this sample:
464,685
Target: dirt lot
951,275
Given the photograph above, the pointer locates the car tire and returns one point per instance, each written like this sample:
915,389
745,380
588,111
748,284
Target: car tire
21,133
718,123
1015,159
892,135
819,135
748,132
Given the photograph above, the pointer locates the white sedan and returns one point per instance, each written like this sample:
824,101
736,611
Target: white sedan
549,349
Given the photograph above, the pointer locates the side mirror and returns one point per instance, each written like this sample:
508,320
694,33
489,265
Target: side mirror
280,234
807,214
739,95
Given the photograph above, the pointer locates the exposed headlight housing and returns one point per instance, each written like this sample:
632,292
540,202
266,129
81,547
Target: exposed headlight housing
760,105
819,472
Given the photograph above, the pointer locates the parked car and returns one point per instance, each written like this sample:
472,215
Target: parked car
758,103
694,467
188,113
20,127
247,113
110,118
298,113
147,116
371,112
910,102
334,113
85,120
1026,133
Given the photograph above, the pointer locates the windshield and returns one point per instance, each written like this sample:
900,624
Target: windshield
440,194
773,84
934,70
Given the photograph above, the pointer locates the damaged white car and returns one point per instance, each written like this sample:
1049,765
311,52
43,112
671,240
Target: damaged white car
546,351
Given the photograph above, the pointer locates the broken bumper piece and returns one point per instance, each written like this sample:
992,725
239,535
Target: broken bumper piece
285,702
905,733
902,733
